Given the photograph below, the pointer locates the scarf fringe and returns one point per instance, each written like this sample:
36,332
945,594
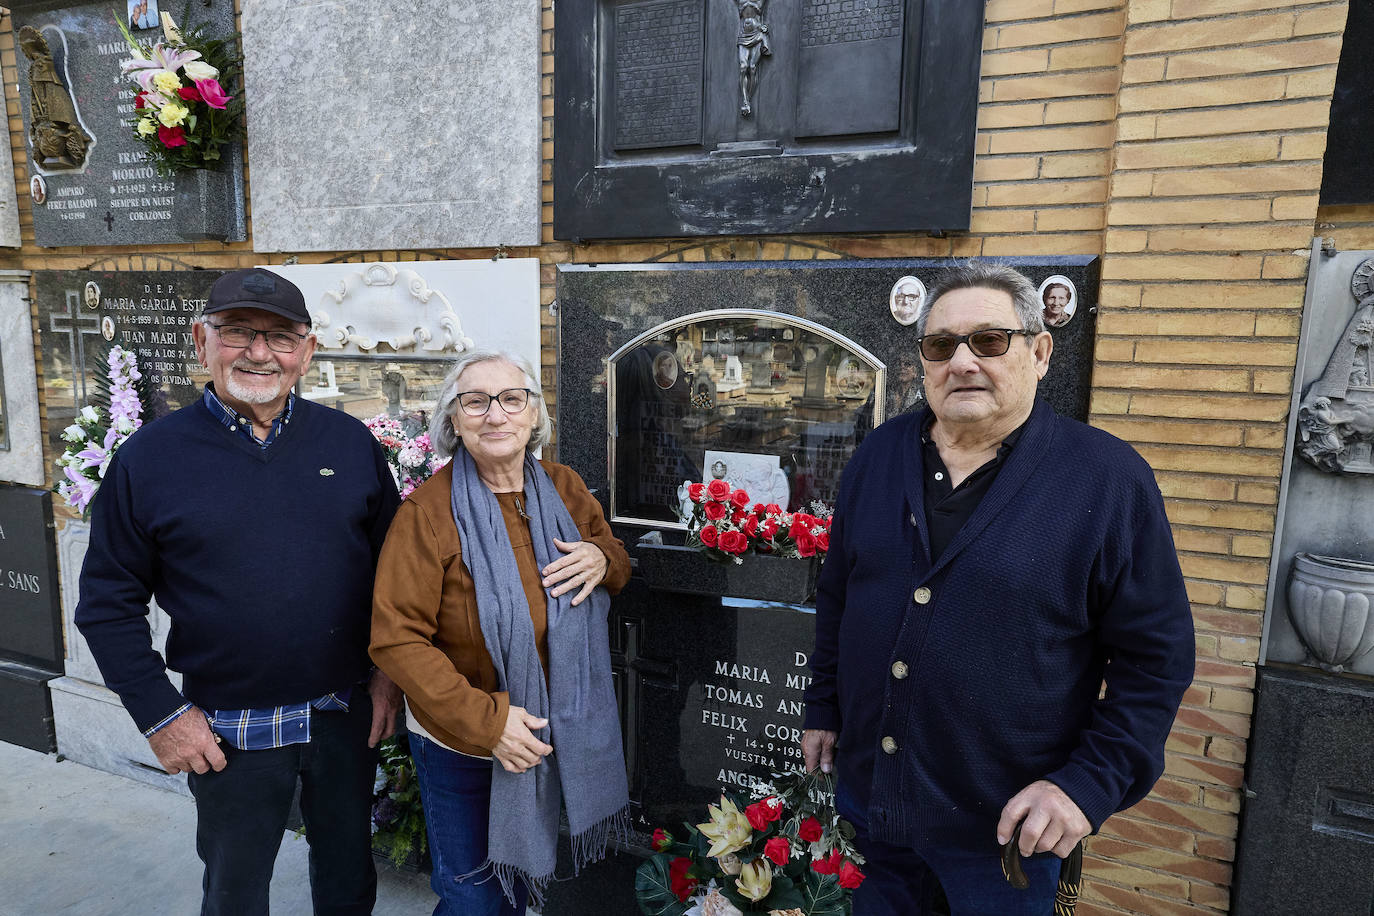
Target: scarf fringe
590,845
507,875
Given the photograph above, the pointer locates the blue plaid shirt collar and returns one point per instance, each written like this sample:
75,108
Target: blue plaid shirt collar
238,423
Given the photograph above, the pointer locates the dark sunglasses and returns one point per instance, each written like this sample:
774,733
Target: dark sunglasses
989,342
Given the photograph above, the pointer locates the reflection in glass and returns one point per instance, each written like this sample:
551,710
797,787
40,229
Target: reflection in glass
773,403
364,387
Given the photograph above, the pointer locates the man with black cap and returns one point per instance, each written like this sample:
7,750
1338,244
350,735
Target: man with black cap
255,519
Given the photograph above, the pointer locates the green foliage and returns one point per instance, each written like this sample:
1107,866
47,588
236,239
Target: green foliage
398,817
824,896
652,889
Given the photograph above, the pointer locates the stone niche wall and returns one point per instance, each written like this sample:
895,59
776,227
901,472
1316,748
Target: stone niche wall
1181,141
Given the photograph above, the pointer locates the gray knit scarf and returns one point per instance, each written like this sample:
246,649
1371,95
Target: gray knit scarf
586,770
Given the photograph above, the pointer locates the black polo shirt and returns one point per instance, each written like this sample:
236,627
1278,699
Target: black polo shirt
947,508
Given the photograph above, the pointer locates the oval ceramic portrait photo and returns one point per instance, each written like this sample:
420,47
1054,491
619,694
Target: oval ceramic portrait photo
38,190
1059,299
906,300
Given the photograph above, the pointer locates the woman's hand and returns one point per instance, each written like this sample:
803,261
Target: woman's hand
584,566
519,749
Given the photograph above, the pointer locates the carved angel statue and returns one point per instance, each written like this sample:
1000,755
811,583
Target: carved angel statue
1319,433
753,45
57,137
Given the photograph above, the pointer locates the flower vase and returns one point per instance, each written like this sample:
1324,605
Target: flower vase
203,206
1329,602
759,577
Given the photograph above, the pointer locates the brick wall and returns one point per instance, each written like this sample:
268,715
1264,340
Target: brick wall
1182,141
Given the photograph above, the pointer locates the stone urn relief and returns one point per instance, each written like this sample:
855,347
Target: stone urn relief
1331,604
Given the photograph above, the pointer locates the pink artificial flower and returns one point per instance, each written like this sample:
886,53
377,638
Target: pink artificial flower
213,93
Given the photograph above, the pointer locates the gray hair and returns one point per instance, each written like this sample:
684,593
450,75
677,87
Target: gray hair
444,438
1025,298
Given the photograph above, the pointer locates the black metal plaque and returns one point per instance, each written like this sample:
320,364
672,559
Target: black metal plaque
658,66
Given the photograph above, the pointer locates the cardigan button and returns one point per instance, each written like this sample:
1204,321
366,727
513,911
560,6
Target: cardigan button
922,595
900,670
889,745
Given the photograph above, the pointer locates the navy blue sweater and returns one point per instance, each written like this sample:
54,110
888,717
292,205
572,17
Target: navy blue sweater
1064,574
263,560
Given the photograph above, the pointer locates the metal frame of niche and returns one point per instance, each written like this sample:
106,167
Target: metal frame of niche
879,384
916,177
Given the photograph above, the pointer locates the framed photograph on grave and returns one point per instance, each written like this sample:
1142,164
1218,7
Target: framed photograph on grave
739,117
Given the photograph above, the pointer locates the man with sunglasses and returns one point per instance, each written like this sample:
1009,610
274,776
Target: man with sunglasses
255,519
991,564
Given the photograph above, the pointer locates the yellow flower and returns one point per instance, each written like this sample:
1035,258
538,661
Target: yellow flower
167,82
755,879
728,830
146,128
172,114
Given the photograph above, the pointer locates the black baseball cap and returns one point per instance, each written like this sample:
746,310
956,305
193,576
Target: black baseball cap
255,288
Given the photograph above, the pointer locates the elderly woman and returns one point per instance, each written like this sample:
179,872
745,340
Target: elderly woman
490,613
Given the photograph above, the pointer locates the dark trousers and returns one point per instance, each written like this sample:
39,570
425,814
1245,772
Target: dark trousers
241,815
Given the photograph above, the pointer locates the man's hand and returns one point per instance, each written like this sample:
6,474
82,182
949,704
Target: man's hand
818,749
583,566
1053,823
386,707
519,749
186,743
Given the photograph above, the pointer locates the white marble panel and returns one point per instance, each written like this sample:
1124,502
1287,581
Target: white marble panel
401,125
93,729
21,447
454,305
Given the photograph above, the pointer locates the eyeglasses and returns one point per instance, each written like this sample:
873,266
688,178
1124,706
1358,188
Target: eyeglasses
477,403
988,342
237,338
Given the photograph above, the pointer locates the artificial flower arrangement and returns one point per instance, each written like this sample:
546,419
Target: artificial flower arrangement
398,818
412,458
122,403
724,524
183,114
786,853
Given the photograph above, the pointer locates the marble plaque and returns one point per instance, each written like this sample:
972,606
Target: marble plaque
30,620
9,209
82,313
682,117
790,392
101,190
21,445
428,135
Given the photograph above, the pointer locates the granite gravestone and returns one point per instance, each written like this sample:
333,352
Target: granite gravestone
97,188
711,666
31,632
678,117
428,134
82,313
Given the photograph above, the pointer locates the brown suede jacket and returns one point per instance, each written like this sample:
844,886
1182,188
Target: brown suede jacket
425,630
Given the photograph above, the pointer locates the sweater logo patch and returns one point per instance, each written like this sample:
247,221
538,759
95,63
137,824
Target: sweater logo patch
326,472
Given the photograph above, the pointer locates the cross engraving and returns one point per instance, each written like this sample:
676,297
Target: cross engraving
77,326
109,221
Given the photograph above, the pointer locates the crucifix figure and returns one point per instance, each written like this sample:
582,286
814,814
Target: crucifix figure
753,46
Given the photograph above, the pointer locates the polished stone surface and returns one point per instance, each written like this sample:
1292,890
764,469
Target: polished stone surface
602,308
428,135
1307,835
149,311
26,715
21,447
1321,513
117,197
94,729
30,607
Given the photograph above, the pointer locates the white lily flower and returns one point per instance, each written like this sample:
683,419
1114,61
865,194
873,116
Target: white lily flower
89,413
200,70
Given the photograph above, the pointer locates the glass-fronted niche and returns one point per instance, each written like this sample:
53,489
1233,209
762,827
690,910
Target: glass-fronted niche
772,403
368,386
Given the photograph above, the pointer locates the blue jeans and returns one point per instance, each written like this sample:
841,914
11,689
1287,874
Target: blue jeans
456,791
901,881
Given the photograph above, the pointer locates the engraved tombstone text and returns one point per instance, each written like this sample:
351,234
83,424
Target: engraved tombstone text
658,67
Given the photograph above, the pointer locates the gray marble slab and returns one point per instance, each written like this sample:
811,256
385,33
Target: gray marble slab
114,196
9,209
93,729
427,136
21,441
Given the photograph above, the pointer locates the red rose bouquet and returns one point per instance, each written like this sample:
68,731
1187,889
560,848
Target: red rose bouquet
725,524
786,851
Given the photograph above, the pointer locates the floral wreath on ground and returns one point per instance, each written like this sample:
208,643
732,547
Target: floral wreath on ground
183,114
122,402
724,525
788,853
